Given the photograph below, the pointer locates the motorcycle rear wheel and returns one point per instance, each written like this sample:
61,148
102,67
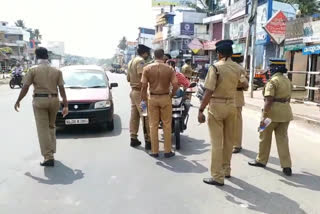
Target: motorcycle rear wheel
177,129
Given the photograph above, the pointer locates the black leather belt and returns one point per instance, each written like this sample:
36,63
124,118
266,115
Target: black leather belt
45,95
159,94
239,89
281,100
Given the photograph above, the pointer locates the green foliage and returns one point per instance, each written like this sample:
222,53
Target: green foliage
20,23
6,50
307,7
123,44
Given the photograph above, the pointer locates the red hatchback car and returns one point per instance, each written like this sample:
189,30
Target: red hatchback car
89,97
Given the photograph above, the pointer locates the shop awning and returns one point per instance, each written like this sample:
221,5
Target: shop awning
294,47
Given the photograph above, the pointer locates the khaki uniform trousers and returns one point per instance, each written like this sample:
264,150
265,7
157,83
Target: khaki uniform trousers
239,129
281,134
45,111
160,108
136,116
221,123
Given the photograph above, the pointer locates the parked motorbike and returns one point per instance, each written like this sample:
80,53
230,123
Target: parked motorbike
180,112
16,79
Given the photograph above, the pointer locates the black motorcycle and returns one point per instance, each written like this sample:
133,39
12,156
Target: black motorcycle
16,79
180,113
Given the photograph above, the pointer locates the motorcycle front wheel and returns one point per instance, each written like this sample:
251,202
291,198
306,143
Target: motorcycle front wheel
177,129
11,84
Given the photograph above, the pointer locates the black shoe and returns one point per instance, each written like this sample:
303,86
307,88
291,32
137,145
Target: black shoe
257,164
211,181
169,155
154,155
236,150
227,176
46,163
135,142
287,171
148,145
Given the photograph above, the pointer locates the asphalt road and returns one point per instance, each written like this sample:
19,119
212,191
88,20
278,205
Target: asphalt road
97,172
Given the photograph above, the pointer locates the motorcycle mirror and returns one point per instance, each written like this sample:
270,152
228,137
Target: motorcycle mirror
192,85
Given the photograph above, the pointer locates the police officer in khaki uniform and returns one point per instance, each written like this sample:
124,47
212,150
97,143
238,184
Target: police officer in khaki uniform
134,75
46,80
277,95
187,69
242,86
221,87
159,77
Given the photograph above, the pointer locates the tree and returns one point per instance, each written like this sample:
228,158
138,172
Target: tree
307,7
37,34
20,23
123,44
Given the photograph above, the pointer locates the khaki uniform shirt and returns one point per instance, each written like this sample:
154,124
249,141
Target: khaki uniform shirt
239,99
279,87
45,79
224,86
187,70
160,76
135,69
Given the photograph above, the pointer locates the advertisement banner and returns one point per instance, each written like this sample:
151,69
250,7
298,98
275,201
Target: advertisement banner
311,50
262,18
187,29
237,9
311,32
180,3
276,27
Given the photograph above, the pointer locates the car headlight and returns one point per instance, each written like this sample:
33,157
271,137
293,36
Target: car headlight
176,101
102,104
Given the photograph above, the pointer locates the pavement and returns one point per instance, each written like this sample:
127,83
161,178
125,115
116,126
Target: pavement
4,79
97,171
309,113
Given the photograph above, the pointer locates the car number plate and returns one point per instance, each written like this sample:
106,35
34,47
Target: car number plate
77,121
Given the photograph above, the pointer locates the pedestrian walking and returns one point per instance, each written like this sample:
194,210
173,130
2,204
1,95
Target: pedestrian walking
239,100
46,80
159,77
221,87
277,94
135,69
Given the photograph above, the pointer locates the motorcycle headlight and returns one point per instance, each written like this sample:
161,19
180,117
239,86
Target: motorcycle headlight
102,104
176,101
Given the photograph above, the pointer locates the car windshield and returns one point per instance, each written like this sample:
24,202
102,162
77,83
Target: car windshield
84,79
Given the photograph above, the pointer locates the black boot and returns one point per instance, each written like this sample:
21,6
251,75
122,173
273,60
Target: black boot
47,163
148,145
211,181
236,150
135,142
287,171
169,155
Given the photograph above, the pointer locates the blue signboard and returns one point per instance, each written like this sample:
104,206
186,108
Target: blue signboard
311,50
187,29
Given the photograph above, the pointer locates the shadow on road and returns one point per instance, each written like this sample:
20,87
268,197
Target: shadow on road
306,180
260,200
253,155
90,132
179,164
192,146
60,174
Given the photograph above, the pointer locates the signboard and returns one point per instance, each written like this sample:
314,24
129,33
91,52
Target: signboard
311,32
201,58
187,29
239,29
295,47
311,50
237,9
294,29
195,45
209,45
180,3
276,27
262,18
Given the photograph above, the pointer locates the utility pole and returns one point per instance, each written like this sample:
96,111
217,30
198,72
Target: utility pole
252,27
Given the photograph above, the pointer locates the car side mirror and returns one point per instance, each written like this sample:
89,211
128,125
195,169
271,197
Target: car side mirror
113,85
